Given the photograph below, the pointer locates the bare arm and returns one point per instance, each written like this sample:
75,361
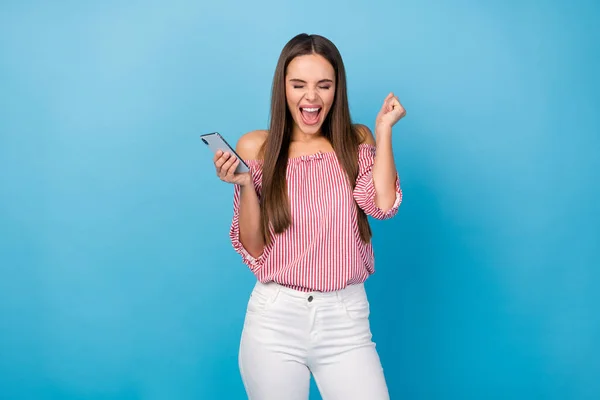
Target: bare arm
384,170
251,234
250,221
384,167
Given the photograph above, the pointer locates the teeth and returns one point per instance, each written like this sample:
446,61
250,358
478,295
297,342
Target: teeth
311,109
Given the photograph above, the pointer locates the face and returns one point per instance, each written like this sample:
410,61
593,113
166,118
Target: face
310,91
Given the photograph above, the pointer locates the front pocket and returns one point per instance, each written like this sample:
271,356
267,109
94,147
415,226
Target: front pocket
357,309
258,303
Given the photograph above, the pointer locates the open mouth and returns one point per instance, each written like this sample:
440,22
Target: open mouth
310,115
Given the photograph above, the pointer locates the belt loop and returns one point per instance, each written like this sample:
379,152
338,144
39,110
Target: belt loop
276,293
340,297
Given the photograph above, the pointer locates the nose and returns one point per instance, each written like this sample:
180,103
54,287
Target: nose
311,95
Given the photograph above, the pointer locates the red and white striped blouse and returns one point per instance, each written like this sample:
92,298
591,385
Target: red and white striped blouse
322,249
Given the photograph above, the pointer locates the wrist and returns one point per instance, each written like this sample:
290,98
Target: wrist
246,184
382,128
383,133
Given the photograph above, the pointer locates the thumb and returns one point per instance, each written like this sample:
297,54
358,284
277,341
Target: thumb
386,103
388,97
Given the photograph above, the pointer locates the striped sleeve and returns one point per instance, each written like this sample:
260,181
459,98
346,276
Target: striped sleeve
364,191
234,232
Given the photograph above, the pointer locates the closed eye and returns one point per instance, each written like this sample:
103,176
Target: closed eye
320,87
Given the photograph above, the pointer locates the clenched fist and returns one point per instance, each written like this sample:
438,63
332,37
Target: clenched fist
391,111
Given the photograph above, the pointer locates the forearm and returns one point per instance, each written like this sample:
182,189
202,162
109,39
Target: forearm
251,235
384,169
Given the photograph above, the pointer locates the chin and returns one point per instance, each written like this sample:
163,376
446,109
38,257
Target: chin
310,130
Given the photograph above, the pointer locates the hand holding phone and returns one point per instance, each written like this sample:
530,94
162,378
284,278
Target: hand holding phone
229,165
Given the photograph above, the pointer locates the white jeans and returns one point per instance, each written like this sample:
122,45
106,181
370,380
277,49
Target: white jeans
288,334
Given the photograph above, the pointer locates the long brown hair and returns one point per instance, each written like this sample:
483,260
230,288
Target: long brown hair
337,128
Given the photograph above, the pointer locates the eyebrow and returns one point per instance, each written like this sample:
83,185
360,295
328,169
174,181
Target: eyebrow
321,81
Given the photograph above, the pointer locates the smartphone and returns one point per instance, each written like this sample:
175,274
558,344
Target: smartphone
216,142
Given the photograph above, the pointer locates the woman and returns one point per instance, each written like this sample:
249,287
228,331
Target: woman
300,224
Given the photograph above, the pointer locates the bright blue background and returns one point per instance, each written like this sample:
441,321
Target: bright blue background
117,279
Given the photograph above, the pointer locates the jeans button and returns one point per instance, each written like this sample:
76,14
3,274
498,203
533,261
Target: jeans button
310,298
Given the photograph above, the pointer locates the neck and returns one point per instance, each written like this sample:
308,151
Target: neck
299,136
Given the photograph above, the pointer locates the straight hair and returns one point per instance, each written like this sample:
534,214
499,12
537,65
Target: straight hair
337,128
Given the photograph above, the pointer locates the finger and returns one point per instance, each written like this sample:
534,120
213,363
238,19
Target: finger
387,101
232,168
230,172
222,160
219,166
399,107
227,166
391,103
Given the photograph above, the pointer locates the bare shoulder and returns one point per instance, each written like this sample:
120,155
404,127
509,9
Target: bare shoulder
365,134
249,145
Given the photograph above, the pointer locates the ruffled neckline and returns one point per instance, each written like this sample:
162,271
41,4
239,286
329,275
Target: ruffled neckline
320,155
